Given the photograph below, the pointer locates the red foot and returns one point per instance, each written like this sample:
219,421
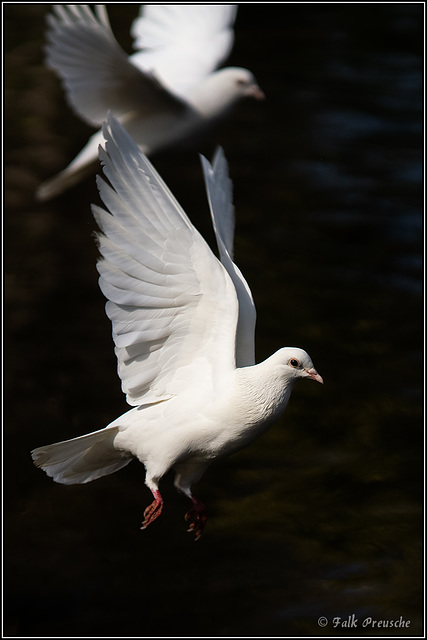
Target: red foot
197,518
153,510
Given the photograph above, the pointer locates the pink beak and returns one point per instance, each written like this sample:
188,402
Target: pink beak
256,92
314,375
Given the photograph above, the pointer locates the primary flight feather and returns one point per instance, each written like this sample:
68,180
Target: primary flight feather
183,327
167,91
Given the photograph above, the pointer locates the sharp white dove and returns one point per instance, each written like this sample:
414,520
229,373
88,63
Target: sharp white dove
167,91
183,326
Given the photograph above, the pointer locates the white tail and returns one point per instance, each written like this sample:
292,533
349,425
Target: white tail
63,181
81,459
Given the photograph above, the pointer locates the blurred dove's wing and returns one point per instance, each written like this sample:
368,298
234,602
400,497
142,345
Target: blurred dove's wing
183,43
96,73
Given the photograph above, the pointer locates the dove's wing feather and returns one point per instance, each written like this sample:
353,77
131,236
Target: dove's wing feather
183,43
172,304
219,189
96,72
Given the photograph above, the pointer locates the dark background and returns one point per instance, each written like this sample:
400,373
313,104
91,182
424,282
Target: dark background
322,516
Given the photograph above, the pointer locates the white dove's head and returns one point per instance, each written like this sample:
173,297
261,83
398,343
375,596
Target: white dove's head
296,363
222,89
240,82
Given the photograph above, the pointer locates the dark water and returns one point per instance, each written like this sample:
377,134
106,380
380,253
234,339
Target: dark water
322,516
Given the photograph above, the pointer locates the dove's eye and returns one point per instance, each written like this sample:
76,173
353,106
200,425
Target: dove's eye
294,362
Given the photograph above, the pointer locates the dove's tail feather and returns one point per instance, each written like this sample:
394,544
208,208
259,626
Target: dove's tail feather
81,459
65,180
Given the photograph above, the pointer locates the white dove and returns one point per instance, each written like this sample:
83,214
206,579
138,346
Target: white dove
183,327
166,92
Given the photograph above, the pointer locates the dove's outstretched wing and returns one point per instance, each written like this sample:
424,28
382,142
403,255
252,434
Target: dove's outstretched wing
183,43
219,191
96,73
173,306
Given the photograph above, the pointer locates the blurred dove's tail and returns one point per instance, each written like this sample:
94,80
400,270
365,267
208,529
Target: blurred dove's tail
64,180
84,164
82,459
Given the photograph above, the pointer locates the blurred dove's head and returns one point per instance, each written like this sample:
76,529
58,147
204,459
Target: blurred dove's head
222,89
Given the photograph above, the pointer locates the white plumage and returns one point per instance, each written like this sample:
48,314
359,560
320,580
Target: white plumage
167,91
183,326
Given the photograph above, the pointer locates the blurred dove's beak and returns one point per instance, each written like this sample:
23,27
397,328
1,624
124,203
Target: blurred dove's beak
314,375
256,92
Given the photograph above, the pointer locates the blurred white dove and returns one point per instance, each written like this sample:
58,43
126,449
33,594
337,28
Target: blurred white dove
183,327
166,92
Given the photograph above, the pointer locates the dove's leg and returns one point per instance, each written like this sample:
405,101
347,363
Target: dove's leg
185,476
153,510
196,517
